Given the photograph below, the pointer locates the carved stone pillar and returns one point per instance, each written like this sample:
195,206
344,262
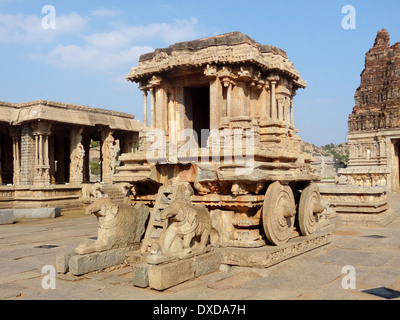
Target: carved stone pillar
153,108
242,99
265,99
229,100
15,133
41,132
273,81
77,156
145,121
291,109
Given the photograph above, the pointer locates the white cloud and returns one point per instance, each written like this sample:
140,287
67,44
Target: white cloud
23,29
101,12
93,58
109,50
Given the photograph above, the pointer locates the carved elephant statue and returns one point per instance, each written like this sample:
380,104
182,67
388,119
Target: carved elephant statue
189,228
120,225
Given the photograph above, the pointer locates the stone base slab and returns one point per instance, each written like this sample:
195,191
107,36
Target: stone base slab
37,213
367,220
164,276
360,206
6,217
81,264
268,256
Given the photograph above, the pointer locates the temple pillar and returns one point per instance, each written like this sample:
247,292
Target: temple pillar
27,154
243,105
52,172
229,100
273,81
280,104
291,110
145,121
15,133
265,100
152,108
41,132
77,156
215,102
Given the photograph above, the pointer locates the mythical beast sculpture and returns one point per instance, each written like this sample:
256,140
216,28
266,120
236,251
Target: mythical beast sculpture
120,225
189,228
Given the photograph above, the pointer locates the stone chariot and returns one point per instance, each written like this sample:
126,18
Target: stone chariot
221,141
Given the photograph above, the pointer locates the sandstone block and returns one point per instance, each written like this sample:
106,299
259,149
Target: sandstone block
62,262
6,217
37,213
140,275
207,263
164,276
82,264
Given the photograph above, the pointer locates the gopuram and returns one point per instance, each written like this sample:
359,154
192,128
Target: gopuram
374,140
219,163
44,154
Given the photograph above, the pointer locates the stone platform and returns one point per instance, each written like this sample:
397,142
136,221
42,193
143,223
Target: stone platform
268,256
164,276
358,205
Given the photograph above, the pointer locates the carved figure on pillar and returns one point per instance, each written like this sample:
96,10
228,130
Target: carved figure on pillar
77,156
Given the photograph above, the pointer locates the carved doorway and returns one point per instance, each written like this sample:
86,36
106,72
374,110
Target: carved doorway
197,104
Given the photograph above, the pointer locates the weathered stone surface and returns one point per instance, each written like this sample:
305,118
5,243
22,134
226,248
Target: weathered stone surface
62,262
120,225
268,256
37,213
140,275
82,264
6,217
207,263
164,276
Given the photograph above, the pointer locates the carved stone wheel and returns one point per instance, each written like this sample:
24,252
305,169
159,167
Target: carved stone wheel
309,206
279,213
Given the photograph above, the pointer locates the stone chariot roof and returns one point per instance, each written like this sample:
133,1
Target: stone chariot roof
229,48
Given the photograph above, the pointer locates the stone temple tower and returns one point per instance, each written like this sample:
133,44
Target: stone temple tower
374,125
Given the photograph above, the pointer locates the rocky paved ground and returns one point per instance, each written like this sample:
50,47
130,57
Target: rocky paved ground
368,256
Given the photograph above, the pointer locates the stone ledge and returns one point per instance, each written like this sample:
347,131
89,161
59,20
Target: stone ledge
37,213
367,220
164,276
82,264
6,217
268,256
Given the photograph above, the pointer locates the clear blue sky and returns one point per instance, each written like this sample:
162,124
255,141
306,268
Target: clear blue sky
86,58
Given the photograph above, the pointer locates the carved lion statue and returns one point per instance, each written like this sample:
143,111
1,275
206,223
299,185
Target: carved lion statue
120,226
189,228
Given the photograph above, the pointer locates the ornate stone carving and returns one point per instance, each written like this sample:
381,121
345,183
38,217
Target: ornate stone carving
120,226
187,234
